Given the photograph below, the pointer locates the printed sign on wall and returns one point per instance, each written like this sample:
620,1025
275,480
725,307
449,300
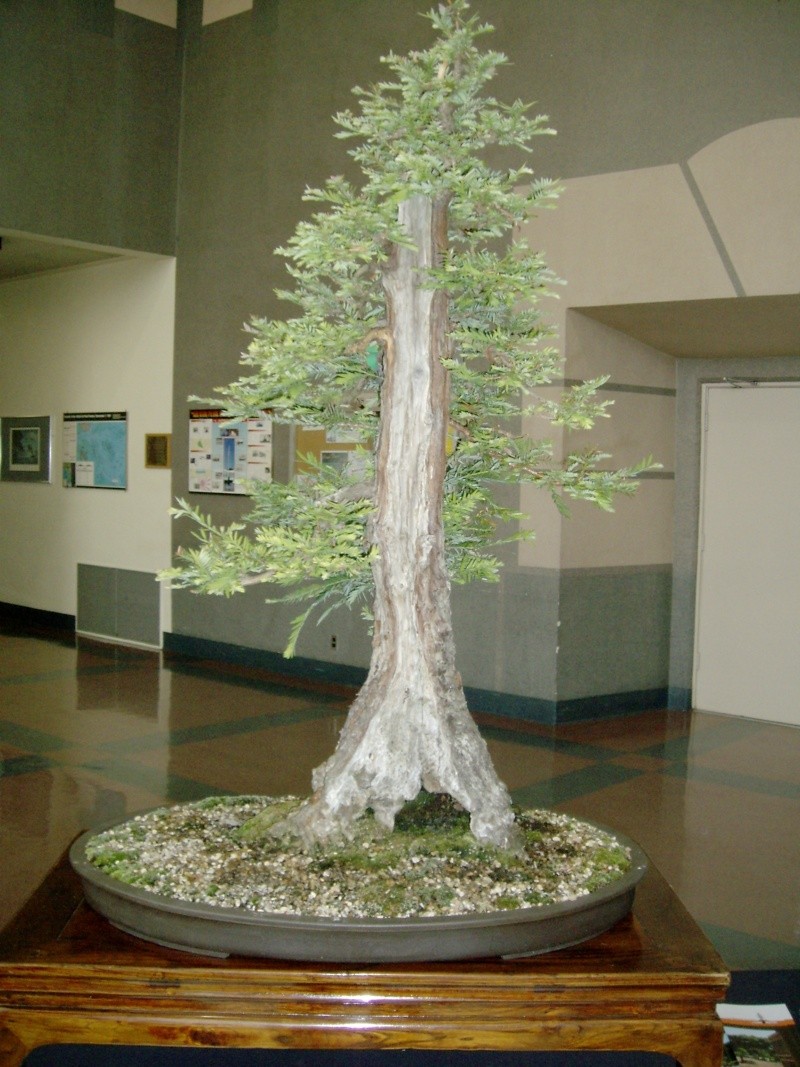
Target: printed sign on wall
225,454
95,448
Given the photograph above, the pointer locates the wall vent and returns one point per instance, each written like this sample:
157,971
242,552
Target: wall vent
119,605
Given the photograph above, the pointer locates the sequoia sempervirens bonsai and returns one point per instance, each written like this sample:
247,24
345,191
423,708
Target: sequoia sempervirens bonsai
419,334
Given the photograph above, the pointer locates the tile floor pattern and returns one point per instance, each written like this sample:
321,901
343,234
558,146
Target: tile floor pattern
90,733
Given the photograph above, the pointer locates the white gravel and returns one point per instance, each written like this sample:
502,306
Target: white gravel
195,852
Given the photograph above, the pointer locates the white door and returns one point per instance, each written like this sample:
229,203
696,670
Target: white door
747,629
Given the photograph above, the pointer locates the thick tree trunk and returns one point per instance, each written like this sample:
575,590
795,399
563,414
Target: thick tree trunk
409,727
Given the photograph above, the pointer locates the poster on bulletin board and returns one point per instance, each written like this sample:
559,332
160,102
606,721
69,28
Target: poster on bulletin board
225,454
334,448
95,446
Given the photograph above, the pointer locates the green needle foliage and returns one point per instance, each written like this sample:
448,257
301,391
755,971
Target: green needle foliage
430,131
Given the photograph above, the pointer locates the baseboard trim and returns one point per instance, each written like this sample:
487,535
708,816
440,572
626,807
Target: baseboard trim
36,618
298,667
679,698
482,701
125,642
612,705
557,712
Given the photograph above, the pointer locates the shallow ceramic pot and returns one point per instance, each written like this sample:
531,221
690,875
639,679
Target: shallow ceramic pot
220,931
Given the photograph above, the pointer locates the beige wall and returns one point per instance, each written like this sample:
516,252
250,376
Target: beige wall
97,338
750,182
724,224
629,238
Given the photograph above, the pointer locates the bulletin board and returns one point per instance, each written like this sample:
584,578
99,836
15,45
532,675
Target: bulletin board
225,454
325,446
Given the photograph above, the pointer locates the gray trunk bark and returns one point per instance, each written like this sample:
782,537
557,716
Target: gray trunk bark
409,727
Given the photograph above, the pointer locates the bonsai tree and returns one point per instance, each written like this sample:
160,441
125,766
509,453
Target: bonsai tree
418,333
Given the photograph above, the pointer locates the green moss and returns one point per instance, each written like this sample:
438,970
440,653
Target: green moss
431,863
432,812
258,828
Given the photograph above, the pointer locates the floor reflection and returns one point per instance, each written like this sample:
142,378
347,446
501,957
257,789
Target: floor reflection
90,733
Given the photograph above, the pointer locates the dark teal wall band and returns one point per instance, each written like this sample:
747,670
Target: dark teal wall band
679,699
482,701
35,618
299,667
304,669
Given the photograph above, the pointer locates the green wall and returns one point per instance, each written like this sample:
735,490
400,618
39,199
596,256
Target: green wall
88,124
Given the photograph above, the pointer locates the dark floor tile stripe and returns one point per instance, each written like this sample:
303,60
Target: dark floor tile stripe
26,737
563,746
173,786
251,724
741,950
182,790
564,787
254,680
214,731
38,677
747,783
724,732
76,670
16,765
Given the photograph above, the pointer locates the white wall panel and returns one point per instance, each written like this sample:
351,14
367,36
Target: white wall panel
747,643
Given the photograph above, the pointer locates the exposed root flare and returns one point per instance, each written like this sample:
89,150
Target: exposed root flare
316,820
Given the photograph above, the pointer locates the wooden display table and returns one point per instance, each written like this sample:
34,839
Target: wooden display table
649,984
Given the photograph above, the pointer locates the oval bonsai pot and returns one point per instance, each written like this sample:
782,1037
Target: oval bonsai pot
206,929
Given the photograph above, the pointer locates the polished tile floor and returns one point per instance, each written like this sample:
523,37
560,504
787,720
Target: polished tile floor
90,733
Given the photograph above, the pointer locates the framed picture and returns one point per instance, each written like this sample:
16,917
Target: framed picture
158,450
25,449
